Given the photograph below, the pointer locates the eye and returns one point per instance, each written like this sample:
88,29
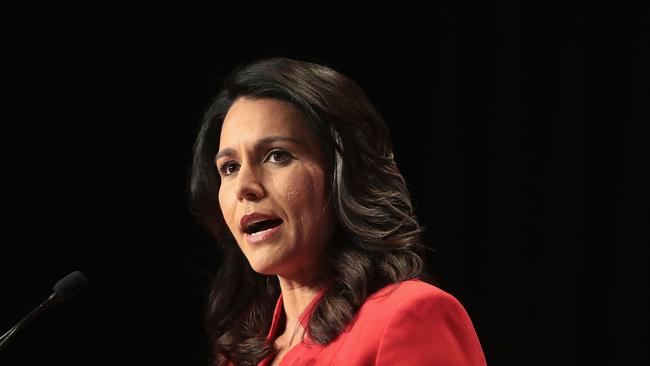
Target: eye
228,168
278,156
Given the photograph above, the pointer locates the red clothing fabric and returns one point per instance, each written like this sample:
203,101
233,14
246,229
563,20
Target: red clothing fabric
408,323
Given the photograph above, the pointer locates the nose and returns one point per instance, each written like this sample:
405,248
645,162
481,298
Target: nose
249,187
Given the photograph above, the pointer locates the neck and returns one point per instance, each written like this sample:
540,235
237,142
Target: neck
296,295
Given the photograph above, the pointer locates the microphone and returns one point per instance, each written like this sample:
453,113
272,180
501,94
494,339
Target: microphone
64,290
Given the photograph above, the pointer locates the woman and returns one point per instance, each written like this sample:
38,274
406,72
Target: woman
294,174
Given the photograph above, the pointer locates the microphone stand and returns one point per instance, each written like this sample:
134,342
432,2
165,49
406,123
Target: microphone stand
4,340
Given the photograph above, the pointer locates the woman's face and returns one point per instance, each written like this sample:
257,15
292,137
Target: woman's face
273,192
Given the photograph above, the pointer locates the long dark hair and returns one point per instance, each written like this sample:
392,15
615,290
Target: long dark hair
377,240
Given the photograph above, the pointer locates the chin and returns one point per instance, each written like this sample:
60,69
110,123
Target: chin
264,268
264,271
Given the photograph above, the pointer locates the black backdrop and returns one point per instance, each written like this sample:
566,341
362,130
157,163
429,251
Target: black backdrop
520,134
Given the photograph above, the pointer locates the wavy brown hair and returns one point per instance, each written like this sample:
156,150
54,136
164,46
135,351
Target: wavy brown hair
377,240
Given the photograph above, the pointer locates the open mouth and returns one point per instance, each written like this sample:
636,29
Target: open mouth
262,225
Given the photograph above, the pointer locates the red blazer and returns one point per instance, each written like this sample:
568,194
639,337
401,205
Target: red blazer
408,323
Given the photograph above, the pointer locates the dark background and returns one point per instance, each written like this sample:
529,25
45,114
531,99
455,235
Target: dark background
521,134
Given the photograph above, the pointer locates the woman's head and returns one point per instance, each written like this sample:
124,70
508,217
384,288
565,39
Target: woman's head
273,193
348,142
298,145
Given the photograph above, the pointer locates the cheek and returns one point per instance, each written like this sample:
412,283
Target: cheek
220,198
226,207
304,196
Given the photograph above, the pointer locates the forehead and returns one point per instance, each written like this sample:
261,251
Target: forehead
256,118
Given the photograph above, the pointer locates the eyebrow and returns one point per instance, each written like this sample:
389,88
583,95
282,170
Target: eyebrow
263,141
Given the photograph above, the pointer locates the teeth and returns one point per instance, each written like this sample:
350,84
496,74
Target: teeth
252,224
258,233
257,221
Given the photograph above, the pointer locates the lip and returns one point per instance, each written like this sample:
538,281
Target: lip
261,236
255,216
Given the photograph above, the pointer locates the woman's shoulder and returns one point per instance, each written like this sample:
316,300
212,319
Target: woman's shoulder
416,323
405,293
411,323
404,302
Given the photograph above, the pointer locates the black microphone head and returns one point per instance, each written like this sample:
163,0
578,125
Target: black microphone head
70,285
